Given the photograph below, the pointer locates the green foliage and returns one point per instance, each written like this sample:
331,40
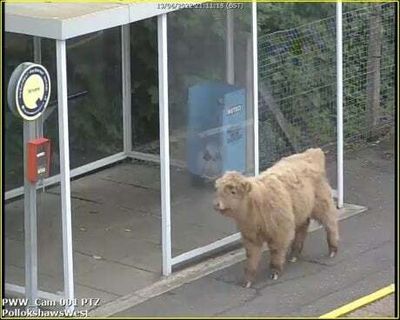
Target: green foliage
94,65
273,17
298,65
144,70
296,61
21,48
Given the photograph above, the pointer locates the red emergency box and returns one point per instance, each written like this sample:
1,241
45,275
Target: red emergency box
38,157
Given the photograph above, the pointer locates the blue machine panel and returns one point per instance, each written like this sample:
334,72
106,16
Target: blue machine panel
234,133
216,131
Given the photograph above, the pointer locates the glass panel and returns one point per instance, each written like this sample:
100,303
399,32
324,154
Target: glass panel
50,117
95,96
17,49
116,229
116,210
211,117
144,73
50,256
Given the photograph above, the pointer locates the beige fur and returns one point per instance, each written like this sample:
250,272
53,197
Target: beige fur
276,208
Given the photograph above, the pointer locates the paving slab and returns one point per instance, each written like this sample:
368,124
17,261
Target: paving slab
16,275
180,302
103,203
384,307
84,292
146,256
306,289
199,209
48,205
13,219
235,274
94,189
187,236
134,174
118,241
109,226
55,286
116,278
356,288
315,284
13,252
147,177
99,216
118,246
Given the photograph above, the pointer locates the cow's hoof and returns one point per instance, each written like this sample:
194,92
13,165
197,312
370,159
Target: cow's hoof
274,275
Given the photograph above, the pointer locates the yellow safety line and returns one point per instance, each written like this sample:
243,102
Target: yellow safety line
359,303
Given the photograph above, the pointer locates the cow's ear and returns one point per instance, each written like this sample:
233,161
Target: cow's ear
247,186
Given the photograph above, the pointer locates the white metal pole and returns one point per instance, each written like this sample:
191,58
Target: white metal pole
249,106
126,87
230,58
65,170
37,56
255,88
31,129
339,123
164,143
30,224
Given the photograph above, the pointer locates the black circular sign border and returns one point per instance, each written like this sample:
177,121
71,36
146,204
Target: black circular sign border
28,70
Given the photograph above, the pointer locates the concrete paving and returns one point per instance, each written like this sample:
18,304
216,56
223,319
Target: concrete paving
316,284
117,233
384,307
116,222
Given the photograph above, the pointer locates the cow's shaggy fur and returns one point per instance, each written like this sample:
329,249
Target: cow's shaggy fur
276,207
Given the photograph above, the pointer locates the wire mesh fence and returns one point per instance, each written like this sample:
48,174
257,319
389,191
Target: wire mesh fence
297,82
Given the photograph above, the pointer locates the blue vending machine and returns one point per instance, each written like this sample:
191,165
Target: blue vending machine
216,131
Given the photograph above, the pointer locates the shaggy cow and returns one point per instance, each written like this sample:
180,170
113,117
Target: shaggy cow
276,207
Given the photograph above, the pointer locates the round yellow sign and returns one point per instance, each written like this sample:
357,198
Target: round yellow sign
29,90
33,91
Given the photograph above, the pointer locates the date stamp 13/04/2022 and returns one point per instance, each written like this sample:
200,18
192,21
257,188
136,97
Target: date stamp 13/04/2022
206,5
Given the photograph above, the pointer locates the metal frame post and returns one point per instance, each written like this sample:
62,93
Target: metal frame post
30,224
339,106
164,143
255,87
65,170
249,103
31,130
230,57
37,57
126,87
236,236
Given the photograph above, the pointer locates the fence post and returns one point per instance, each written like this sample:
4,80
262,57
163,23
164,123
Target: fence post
373,69
339,101
164,144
